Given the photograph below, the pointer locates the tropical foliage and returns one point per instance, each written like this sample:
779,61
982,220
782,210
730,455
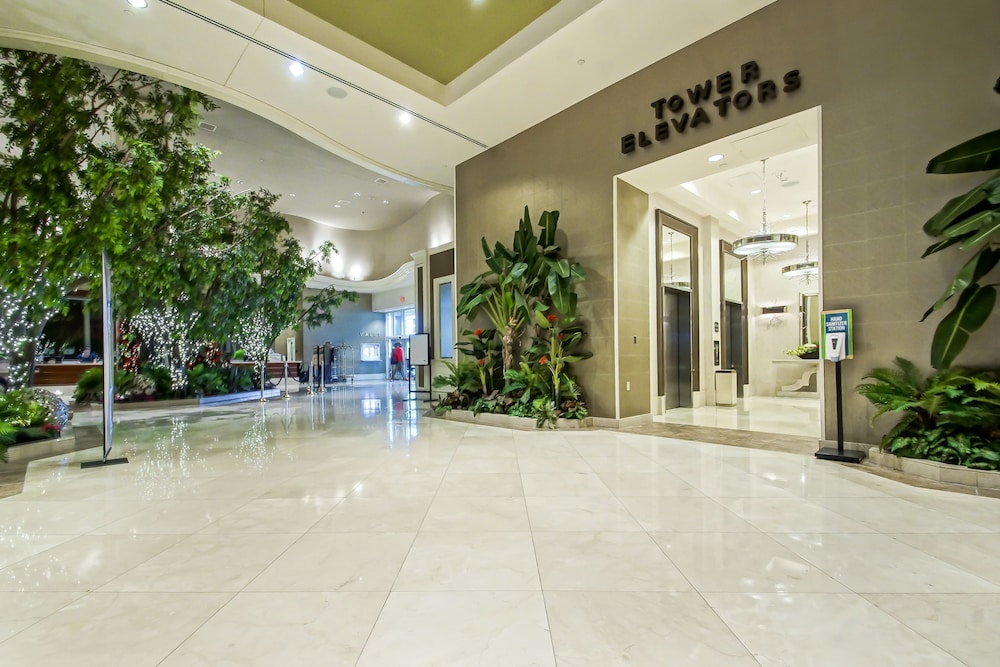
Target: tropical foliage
30,414
971,221
529,296
100,162
953,416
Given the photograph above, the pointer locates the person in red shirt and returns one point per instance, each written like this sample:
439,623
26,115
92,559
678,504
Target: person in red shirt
397,362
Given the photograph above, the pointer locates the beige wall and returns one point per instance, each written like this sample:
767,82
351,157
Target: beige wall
897,80
378,254
633,291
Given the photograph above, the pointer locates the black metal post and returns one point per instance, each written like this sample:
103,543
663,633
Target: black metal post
840,454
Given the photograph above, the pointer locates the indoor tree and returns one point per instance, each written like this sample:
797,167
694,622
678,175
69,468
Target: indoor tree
91,158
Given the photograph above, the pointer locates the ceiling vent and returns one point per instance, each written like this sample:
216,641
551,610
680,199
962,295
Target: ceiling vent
208,127
381,181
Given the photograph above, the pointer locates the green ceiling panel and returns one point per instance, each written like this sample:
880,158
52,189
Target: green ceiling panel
440,38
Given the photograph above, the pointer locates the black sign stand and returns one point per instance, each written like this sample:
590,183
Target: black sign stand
840,454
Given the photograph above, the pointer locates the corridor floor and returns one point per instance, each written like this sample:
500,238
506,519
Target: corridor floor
348,528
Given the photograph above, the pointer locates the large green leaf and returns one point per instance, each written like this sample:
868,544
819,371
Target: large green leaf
989,226
981,263
941,245
953,209
972,310
969,225
976,154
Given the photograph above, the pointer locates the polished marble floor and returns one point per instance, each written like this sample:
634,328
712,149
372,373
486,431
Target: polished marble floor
350,529
760,414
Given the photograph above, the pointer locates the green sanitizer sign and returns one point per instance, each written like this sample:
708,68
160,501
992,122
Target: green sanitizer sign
838,335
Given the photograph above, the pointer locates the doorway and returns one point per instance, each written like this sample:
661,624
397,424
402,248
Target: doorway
676,358
677,311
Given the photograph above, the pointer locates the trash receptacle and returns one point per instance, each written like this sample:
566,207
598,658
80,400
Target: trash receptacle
725,387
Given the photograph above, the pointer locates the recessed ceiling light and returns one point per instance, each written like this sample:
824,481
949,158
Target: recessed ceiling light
291,194
336,205
357,194
405,118
755,192
581,61
385,201
296,68
336,92
139,4
716,157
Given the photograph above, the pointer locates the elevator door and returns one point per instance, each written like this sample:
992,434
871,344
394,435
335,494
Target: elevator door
676,362
735,337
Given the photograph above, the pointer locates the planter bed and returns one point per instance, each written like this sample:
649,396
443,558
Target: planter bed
43,447
506,421
938,472
221,399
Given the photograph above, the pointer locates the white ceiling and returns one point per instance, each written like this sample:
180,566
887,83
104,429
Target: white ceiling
236,55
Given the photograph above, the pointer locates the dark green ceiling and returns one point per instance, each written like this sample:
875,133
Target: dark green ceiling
439,38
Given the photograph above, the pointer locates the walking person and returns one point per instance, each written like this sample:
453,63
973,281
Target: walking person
397,362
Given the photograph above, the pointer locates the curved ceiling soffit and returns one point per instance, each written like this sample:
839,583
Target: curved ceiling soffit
122,60
401,277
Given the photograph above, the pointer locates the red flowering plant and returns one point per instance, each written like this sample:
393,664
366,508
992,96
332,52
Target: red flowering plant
557,345
483,345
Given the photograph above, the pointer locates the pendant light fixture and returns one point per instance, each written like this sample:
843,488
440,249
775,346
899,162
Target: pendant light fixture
806,271
764,243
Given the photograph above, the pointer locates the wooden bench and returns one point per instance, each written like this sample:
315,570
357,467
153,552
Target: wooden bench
64,374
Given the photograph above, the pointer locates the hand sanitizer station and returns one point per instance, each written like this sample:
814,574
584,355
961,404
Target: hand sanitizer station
837,346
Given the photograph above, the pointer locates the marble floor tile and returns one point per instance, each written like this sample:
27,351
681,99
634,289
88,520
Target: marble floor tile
172,517
375,515
267,629
470,561
476,514
471,484
333,562
274,515
879,564
215,563
84,563
684,514
742,563
461,629
963,625
976,553
22,610
660,483
112,628
823,630
557,464
584,513
604,562
484,464
895,515
792,515
557,484
640,629
398,486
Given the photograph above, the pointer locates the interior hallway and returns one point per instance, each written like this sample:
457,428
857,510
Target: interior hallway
348,528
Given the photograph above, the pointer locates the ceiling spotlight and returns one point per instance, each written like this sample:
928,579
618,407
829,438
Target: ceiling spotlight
291,194
405,118
138,4
296,68
755,192
716,157
385,201
357,194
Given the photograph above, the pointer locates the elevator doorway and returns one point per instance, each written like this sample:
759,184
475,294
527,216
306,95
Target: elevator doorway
677,311
676,359
736,337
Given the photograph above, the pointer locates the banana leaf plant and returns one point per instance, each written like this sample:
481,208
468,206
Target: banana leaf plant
528,276
971,221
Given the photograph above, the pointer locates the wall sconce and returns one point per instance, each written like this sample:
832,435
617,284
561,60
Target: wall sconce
773,310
